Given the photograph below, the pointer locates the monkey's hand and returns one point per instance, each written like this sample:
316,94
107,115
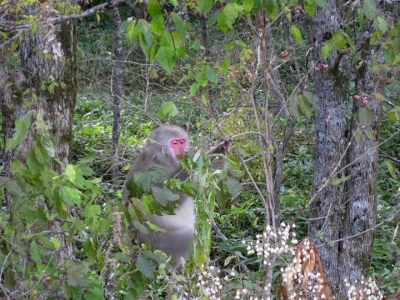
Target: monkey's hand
221,147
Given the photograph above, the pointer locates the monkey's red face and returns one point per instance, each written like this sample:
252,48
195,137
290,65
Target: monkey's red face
179,147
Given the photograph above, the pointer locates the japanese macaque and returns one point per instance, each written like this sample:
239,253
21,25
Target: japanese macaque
165,150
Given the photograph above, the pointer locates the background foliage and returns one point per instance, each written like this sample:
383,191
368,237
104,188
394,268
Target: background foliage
193,65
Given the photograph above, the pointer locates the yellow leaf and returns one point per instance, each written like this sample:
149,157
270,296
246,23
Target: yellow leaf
379,96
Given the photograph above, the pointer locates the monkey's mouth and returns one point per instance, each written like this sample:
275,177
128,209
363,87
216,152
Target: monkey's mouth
181,156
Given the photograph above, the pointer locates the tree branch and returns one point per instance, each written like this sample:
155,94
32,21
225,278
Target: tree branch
19,29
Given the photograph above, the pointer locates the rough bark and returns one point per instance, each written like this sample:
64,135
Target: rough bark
343,216
47,58
56,107
361,188
332,88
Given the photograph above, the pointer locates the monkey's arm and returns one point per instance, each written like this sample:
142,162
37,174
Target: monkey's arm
219,151
222,147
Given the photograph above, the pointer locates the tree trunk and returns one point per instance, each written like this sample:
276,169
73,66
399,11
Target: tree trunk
332,88
361,188
47,84
343,216
117,90
52,87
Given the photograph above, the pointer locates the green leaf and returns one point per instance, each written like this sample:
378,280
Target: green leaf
356,58
211,75
179,25
361,17
327,50
154,8
293,108
370,11
77,275
51,88
379,96
34,251
48,144
70,173
131,35
157,25
194,88
389,55
92,211
205,5
320,3
46,241
391,168
248,5
375,66
271,8
152,52
195,46
154,228
167,108
32,163
228,16
365,116
305,106
145,266
89,247
375,37
309,8
201,78
312,98
145,35
224,67
339,40
234,186
166,58
394,114
180,52
381,24
10,185
60,207
175,39
163,195
222,22
338,181
35,27
296,33
56,243
41,156
70,196
369,134
41,125
86,170
21,131
204,100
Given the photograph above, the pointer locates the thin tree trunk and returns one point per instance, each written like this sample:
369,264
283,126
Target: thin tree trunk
117,82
